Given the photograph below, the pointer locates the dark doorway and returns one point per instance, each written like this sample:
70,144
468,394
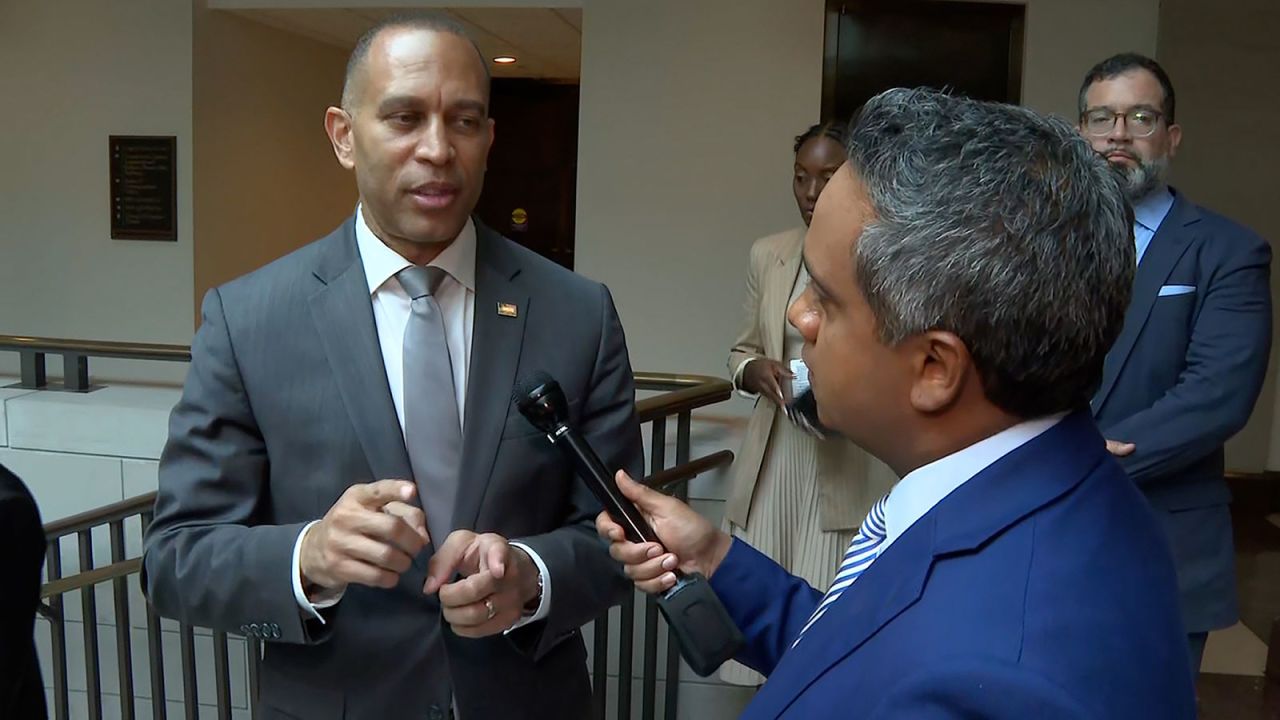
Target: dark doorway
969,48
530,189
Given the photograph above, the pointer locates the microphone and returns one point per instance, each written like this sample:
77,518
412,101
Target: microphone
704,631
541,401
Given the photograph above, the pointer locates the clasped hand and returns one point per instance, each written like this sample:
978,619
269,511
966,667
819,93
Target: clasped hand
371,535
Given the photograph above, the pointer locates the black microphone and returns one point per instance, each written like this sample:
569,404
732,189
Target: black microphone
541,401
706,634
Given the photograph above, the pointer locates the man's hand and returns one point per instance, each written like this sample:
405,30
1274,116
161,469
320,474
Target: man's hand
368,537
766,377
1120,449
695,544
498,582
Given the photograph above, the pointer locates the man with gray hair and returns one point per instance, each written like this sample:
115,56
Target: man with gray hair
970,265
1184,375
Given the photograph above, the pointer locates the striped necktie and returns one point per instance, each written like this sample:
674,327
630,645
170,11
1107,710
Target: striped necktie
861,553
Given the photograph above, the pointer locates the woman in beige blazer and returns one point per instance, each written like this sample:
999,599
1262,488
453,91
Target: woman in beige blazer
795,497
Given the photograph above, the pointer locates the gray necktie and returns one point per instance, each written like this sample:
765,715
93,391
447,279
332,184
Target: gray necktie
432,431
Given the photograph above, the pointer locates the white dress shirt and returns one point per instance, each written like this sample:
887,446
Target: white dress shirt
456,297
926,486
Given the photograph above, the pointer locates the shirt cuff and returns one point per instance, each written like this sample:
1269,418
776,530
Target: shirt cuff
544,603
737,379
324,598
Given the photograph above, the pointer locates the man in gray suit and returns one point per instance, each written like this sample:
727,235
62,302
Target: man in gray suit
345,467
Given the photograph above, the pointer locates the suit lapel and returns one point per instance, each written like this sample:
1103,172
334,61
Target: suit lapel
1166,248
1031,476
780,285
891,585
495,355
343,316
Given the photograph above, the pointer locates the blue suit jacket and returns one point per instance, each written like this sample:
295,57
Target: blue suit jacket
1181,379
1042,587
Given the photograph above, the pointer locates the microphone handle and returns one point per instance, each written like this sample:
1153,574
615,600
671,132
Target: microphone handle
705,633
602,485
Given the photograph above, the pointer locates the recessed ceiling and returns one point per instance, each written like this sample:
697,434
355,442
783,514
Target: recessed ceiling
547,42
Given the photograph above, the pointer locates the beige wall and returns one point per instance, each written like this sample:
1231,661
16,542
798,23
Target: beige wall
72,73
1222,58
688,110
266,178
1064,38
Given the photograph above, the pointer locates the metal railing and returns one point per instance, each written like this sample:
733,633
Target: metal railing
680,396
119,574
75,358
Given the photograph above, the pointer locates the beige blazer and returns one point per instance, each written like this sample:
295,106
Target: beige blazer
849,480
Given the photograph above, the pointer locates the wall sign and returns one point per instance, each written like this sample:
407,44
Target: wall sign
144,187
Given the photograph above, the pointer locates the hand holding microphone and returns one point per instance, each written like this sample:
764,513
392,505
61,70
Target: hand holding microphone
704,631
687,542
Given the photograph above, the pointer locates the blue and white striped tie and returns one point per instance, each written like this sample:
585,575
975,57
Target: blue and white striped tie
861,553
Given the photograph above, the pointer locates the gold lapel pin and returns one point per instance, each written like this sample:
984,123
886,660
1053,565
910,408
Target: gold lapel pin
507,310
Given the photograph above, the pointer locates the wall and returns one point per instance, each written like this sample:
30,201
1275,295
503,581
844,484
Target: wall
688,110
75,72
1222,61
1064,38
266,178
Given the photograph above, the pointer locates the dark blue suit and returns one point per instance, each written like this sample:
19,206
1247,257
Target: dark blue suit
1181,379
1042,587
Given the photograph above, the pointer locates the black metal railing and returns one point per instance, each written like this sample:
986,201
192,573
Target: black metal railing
121,574
114,526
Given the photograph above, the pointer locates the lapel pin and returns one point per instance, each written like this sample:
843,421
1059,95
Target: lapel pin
507,310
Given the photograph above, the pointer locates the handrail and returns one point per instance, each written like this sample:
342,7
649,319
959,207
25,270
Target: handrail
88,578
689,391
97,348
90,519
75,357
687,471
694,391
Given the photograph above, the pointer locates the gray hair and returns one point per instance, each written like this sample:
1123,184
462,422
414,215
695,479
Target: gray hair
999,225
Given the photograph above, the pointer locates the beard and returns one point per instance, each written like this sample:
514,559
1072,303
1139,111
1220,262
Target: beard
1142,178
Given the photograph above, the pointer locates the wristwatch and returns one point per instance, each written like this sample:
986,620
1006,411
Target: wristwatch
531,608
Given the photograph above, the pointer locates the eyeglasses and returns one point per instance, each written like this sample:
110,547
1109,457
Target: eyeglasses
1140,122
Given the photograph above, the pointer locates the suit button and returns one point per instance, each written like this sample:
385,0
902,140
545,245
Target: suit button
244,629
275,631
253,629
435,713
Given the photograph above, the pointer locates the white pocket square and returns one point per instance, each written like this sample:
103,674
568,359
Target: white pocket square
1167,290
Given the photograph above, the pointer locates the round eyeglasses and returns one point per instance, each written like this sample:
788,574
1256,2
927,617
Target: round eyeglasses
1140,122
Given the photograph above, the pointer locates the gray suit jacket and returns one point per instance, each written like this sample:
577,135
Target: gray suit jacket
287,404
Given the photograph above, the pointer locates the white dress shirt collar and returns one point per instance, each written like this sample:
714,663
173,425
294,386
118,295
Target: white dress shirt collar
926,486
381,263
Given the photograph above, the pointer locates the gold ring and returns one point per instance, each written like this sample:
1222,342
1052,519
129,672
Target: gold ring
488,605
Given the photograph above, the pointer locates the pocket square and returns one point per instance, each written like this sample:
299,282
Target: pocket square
1167,290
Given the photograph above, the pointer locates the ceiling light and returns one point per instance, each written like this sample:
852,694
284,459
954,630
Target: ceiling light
505,59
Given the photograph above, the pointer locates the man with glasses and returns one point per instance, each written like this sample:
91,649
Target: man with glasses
1185,372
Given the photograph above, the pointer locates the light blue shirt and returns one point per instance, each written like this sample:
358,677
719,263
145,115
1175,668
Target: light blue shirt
926,486
1148,213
